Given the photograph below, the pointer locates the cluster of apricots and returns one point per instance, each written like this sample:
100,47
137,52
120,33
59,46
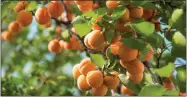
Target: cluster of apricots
89,78
24,19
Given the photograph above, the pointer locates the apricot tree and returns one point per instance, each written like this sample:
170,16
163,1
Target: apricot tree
130,46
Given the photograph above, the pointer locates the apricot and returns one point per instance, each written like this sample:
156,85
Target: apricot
42,15
96,27
95,78
149,54
123,63
75,71
147,13
86,66
115,47
54,46
82,84
125,91
100,91
117,38
68,4
86,41
48,24
168,85
136,12
126,15
182,94
111,4
6,35
24,18
127,54
120,26
99,19
135,67
21,5
96,6
58,29
61,42
136,78
83,2
111,81
157,27
85,8
14,27
96,39
55,9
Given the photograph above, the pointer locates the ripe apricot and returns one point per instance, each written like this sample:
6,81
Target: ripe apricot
85,8
111,4
58,29
96,6
123,63
83,2
95,78
24,18
85,66
54,46
75,71
82,84
6,35
125,91
117,38
135,67
115,47
149,54
168,85
55,9
120,26
147,13
100,91
96,27
111,81
48,24
126,15
86,41
21,5
127,54
136,12
182,94
14,27
68,4
61,42
96,39
136,78
42,15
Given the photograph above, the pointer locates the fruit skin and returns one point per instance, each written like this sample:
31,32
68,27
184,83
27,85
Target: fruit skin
111,81
82,84
137,78
115,47
96,27
124,90
47,25
149,54
24,18
127,54
86,41
147,13
83,2
100,91
120,26
6,35
42,15
85,8
111,4
86,66
135,67
136,12
55,9
126,15
96,39
54,46
21,5
123,63
75,71
95,78
14,27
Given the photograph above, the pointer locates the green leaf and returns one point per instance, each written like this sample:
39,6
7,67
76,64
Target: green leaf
128,83
143,52
66,35
178,45
171,93
166,70
118,12
181,78
32,6
143,28
109,35
152,90
149,5
4,9
97,59
134,43
81,26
